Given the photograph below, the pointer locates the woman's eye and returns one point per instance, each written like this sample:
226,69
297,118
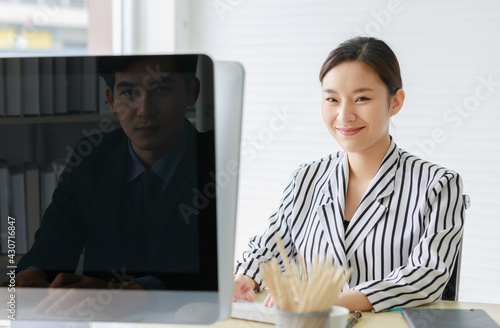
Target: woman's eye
331,100
362,99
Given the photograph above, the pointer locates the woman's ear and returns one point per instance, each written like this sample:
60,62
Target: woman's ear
397,102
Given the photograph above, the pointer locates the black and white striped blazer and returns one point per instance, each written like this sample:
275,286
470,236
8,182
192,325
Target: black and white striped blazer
401,242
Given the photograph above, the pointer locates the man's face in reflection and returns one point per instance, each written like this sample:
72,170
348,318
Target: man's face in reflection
150,99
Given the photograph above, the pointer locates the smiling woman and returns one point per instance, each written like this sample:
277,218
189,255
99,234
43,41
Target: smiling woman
356,103
393,218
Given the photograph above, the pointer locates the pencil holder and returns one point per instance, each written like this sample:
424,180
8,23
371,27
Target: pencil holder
304,298
338,317
286,319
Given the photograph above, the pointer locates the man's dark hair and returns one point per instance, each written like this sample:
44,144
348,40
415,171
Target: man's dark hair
107,66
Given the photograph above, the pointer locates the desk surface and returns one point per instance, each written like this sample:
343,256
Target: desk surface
371,320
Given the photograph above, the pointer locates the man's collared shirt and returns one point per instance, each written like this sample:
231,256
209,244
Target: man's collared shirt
164,168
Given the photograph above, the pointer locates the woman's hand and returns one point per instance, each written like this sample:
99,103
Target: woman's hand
269,302
244,287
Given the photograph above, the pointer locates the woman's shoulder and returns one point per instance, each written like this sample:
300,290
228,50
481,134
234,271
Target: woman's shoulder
320,167
424,169
429,179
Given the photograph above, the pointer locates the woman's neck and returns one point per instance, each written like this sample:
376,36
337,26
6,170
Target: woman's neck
364,165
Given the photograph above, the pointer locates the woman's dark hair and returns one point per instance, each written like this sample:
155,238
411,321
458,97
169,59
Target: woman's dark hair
371,51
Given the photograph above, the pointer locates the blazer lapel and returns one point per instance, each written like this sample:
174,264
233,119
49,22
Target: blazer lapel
167,222
112,182
119,211
371,210
331,213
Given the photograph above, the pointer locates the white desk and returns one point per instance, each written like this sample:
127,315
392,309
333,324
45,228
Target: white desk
370,320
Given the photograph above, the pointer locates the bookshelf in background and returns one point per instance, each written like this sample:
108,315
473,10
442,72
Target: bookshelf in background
46,105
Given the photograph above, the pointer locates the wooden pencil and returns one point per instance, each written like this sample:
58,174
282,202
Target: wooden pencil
294,288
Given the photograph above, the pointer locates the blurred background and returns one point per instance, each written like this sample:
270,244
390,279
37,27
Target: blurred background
43,26
449,53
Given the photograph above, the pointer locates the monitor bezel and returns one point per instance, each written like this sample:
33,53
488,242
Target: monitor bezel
228,89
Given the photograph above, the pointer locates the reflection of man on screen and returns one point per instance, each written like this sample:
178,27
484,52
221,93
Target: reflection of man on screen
128,206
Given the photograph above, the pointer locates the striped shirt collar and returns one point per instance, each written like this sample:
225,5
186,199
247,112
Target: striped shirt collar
339,177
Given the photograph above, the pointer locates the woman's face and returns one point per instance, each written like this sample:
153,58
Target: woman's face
356,107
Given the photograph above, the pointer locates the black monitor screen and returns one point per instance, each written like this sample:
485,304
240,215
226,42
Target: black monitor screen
107,172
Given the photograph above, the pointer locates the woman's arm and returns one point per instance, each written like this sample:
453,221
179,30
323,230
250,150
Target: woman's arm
428,268
354,300
263,247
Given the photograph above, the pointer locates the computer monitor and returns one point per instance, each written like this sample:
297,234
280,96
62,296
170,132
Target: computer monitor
184,255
